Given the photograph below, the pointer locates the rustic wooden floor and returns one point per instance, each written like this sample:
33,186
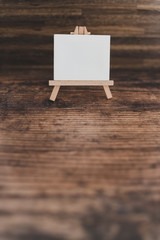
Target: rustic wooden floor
82,168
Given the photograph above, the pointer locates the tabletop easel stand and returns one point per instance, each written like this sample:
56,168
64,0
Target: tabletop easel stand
80,30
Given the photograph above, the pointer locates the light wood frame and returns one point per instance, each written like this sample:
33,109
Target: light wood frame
82,30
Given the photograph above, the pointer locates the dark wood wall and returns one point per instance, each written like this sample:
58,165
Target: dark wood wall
27,26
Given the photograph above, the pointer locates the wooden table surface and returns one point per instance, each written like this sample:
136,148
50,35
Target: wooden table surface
80,168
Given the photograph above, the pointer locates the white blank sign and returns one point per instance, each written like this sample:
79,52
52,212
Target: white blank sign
81,57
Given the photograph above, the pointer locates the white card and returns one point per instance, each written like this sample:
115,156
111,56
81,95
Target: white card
81,57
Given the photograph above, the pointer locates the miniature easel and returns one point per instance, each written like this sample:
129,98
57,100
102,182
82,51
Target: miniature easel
82,30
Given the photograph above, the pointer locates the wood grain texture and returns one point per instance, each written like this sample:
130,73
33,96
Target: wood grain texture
27,27
81,168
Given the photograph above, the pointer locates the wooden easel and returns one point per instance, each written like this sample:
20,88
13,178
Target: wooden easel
82,30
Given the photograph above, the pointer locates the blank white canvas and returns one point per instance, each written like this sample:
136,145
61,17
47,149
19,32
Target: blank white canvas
81,57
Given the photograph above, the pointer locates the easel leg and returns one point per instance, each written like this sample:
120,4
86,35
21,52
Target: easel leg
54,93
107,92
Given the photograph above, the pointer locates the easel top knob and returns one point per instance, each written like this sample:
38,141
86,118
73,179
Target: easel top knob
80,30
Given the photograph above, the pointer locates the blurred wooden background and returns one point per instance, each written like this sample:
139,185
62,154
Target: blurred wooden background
82,168
27,28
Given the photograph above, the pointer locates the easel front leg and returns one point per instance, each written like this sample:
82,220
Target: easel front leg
54,93
107,92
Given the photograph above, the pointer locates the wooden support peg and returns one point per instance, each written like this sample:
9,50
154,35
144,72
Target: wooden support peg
80,30
85,31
